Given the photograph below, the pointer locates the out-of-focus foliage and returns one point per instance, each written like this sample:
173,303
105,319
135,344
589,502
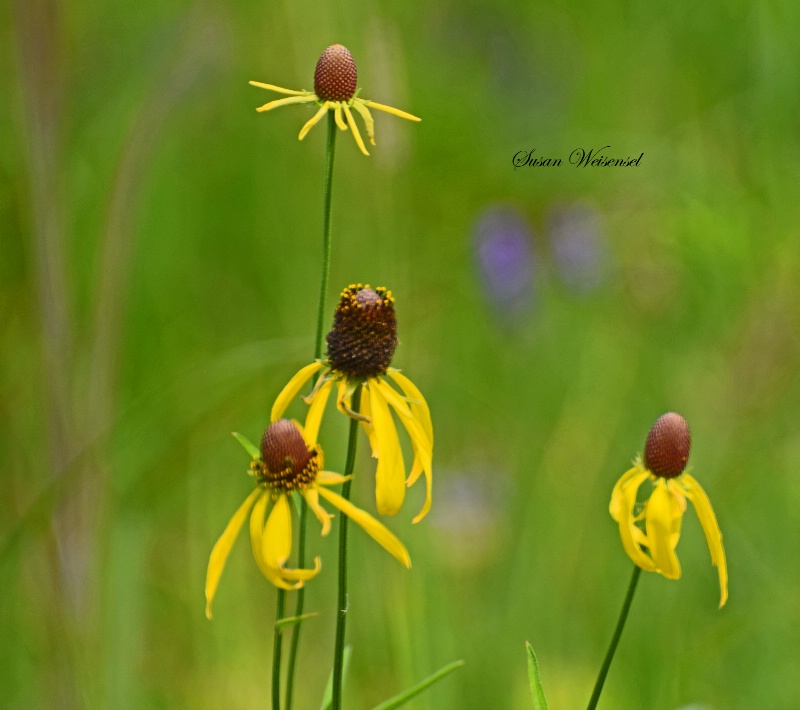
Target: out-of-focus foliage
159,253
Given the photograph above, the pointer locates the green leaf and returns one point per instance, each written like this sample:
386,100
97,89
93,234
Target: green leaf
248,445
537,692
289,620
327,699
406,695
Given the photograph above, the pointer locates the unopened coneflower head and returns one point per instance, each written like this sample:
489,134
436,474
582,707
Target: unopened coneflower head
361,346
289,460
335,89
650,531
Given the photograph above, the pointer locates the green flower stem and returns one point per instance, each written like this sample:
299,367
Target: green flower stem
327,192
343,602
326,233
623,615
298,611
277,642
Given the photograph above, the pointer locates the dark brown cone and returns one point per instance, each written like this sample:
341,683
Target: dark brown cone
666,450
287,461
363,339
336,76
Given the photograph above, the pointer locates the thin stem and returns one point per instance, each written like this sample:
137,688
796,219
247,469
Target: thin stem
327,194
623,615
343,601
301,594
277,642
326,233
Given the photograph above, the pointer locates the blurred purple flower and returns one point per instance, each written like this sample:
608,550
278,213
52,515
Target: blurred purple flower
504,252
578,246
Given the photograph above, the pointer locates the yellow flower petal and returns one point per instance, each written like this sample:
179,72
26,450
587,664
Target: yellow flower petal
622,504
277,538
375,529
285,102
314,120
415,400
390,109
257,544
315,412
312,500
390,487
694,492
222,548
366,410
337,114
303,575
617,497
329,478
293,388
359,106
354,128
419,440
281,90
662,509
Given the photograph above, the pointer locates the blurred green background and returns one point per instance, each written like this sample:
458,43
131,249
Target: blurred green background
158,286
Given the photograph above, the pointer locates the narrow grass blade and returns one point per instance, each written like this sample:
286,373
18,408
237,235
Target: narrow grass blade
290,620
327,699
415,690
537,692
248,445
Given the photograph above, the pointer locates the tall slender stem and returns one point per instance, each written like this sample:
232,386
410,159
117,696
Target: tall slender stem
623,615
327,193
277,642
326,233
343,601
298,611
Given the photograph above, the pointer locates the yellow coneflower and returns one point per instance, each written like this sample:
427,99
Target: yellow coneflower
289,460
651,536
360,349
335,83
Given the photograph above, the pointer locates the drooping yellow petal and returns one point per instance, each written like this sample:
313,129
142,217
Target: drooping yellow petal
354,128
426,506
277,538
623,507
257,543
359,106
281,90
420,440
329,478
422,445
616,506
285,102
415,400
392,110
337,114
303,575
662,509
222,548
293,388
694,491
314,120
315,412
375,529
390,487
366,410
312,500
